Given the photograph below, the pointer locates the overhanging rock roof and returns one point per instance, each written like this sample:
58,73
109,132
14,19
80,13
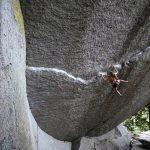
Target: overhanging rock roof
70,39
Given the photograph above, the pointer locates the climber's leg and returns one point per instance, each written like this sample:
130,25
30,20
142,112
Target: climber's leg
123,81
118,92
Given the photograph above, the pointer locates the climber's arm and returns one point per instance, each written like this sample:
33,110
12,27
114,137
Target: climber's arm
105,77
123,81
116,73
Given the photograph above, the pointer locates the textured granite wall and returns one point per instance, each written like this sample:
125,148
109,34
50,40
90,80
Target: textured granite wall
15,130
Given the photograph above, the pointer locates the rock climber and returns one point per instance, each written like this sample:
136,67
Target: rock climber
114,80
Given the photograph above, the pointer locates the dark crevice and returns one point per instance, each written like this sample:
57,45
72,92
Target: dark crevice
76,144
135,29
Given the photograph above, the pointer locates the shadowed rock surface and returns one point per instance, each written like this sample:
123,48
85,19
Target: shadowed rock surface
83,38
116,139
144,138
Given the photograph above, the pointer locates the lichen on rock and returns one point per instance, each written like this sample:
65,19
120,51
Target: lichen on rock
16,11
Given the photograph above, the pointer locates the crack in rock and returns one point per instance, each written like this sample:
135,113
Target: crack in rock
62,72
140,56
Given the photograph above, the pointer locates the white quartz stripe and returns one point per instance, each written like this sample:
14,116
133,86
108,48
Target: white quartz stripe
58,71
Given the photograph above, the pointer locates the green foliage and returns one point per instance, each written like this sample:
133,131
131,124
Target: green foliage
139,122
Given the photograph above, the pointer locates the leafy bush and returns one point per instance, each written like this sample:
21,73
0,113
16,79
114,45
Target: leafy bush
138,122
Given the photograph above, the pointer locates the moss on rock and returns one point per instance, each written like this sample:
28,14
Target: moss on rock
16,10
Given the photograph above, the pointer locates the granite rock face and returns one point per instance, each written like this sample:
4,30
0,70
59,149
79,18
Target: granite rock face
71,39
